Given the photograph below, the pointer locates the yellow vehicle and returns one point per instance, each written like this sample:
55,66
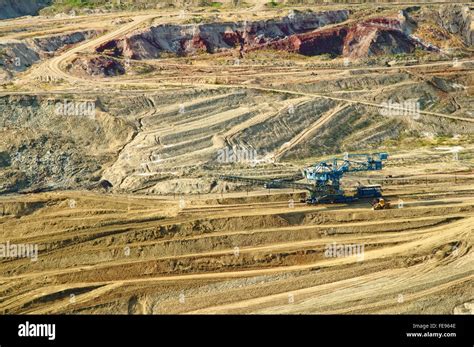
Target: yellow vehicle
380,204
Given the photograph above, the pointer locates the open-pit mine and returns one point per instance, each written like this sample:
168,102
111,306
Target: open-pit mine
198,157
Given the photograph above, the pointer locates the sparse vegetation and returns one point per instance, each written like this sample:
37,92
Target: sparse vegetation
273,4
143,69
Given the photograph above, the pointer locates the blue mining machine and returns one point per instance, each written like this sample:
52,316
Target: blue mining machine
324,179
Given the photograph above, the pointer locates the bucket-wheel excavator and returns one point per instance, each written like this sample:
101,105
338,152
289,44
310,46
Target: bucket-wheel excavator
324,178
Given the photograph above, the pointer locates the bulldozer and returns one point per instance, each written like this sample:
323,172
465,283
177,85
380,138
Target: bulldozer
380,204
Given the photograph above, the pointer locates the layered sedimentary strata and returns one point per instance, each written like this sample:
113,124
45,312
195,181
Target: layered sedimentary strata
214,37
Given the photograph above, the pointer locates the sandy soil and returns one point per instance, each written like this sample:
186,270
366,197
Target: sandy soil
241,253
247,251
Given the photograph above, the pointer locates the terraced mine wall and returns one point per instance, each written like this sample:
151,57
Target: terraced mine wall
214,37
18,8
361,40
19,55
457,19
144,143
305,33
